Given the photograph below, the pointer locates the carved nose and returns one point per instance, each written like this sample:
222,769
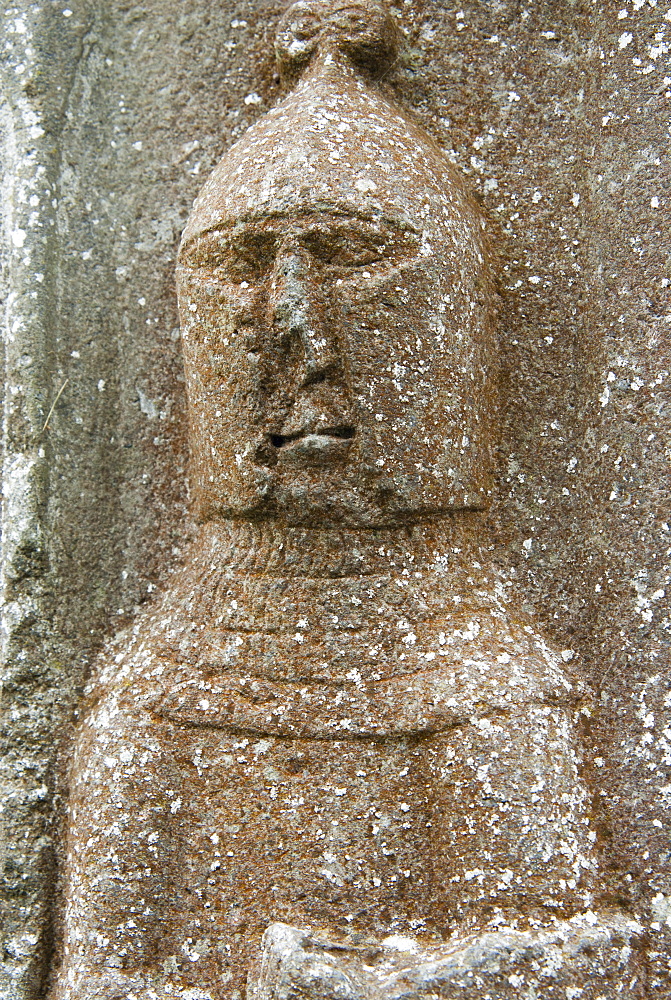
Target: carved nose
298,316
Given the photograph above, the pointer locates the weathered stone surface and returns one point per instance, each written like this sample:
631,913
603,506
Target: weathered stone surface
559,115
581,957
336,301
77,449
259,749
334,699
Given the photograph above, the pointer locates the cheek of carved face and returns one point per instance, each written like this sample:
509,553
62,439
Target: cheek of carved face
330,373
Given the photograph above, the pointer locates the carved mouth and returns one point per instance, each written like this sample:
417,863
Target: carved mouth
313,449
342,432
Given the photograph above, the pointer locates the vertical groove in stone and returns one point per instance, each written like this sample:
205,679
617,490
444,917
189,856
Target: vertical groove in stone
32,682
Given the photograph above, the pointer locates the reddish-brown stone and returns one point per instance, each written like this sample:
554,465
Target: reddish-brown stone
335,718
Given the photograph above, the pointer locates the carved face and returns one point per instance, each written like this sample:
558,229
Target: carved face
336,353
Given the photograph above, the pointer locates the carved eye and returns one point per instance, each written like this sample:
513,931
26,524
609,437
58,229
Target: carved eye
346,250
352,249
225,259
249,260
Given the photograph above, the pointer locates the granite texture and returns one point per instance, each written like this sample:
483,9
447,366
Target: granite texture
111,117
582,957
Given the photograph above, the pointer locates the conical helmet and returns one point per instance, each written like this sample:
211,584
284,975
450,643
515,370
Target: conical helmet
335,301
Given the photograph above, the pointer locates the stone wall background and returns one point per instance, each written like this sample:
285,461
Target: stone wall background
112,114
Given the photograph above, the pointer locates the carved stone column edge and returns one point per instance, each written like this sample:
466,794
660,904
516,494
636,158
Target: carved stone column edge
41,51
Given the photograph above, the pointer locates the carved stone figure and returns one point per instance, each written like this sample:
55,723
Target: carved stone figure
334,728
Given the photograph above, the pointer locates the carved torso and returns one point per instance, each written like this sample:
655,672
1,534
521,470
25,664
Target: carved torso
336,729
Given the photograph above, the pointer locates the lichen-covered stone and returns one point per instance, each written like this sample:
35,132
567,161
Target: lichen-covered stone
383,752
559,116
333,718
581,957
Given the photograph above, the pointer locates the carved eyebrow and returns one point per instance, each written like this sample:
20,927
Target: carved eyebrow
249,255
366,226
198,246
375,225
251,248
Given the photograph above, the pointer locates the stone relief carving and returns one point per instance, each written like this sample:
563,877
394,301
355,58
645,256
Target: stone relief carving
333,760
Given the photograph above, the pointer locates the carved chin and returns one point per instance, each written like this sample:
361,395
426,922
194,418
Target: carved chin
315,481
